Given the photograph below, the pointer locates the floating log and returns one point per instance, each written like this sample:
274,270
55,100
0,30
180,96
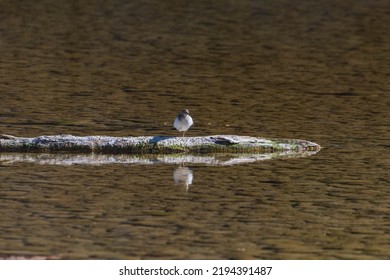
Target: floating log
153,144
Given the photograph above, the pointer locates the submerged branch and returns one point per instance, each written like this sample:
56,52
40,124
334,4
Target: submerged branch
153,144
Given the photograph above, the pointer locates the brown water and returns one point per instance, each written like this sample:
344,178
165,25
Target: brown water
316,70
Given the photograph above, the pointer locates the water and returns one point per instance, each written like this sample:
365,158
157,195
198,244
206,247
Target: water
316,70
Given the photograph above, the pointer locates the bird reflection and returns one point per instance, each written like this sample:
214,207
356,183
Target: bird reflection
183,176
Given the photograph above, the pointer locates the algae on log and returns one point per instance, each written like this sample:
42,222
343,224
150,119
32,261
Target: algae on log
153,144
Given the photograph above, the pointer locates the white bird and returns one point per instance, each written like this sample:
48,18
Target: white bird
183,121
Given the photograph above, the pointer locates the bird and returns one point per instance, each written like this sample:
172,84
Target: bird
183,121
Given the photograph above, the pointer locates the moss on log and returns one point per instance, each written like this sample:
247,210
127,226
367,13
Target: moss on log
152,144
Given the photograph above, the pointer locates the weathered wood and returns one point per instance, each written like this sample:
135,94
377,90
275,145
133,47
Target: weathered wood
153,144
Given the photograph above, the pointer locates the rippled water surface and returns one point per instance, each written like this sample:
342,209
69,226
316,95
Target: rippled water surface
316,70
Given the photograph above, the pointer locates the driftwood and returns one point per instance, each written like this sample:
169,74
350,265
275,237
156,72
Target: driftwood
153,144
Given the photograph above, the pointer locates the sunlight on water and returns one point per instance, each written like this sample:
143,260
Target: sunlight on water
316,71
